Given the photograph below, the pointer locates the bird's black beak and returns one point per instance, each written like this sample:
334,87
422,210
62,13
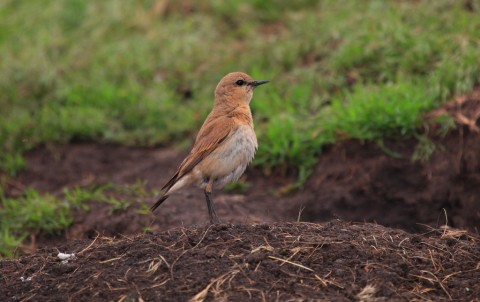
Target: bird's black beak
257,83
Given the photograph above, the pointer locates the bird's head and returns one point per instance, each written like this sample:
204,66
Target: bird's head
236,87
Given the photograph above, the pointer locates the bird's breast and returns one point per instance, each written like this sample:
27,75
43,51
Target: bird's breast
229,161
241,146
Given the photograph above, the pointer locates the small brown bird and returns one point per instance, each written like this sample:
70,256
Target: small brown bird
225,144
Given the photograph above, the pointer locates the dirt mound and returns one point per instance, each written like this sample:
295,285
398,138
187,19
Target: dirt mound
383,183
336,261
358,182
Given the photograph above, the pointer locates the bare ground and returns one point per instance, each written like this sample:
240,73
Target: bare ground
261,254
335,261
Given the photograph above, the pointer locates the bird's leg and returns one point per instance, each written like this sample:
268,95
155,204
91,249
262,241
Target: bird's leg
208,196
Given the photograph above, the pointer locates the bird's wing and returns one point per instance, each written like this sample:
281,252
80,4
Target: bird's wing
213,133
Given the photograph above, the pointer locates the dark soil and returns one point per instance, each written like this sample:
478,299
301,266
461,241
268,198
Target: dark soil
358,181
361,182
336,261
353,181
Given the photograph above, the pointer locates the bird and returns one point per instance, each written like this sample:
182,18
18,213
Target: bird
225,144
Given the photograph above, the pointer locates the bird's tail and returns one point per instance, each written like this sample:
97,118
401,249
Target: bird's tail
166,189
159,202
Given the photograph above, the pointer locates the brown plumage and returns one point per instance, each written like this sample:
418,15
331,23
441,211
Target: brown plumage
225,144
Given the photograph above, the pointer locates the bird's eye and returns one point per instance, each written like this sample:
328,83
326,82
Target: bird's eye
240,82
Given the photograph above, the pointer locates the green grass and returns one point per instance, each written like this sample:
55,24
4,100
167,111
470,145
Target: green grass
139,73
133,73
35,213
30,214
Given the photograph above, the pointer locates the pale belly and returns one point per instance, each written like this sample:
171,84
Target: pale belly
228,163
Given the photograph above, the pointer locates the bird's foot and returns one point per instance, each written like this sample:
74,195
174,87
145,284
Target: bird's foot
215,220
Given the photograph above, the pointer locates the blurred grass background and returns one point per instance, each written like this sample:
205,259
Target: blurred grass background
142,72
